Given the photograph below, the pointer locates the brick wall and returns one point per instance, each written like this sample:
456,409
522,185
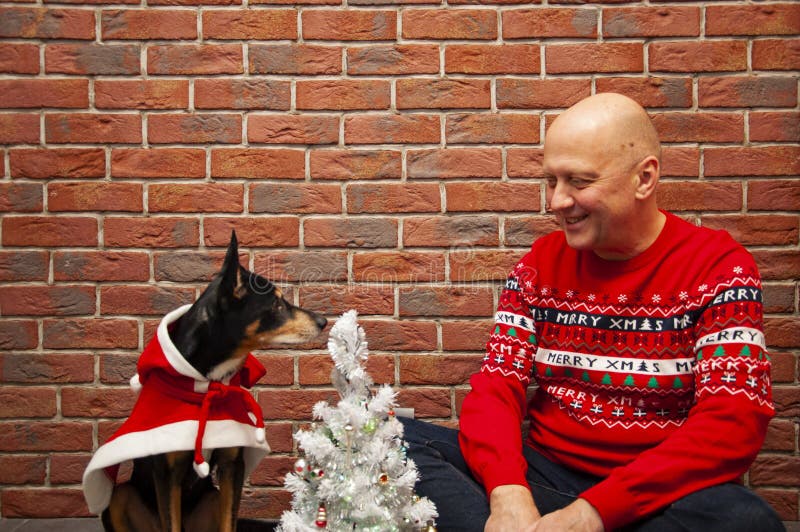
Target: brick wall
380,155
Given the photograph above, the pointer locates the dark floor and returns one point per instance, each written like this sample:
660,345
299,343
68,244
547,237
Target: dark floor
93,525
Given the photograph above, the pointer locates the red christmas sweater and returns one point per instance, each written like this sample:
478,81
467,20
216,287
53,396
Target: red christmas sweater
651,372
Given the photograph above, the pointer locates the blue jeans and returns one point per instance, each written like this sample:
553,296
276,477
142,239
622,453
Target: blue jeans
463,505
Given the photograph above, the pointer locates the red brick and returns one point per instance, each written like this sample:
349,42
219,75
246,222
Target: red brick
187,267
21,197
292,129
296,59
59,300
17,58
399,59
775,126
492,59
466,335
699,127
773,194
92,59
272,470
196,197
438,369
293,404
160,232
550,22
23,469
47,369
783,501
776,54
91,128
524,162
492,128
350,232
349,25
142,24
194,128
695,196
118,369
446,301
541,93
449,24
221,93
343,94
784,365
355,164
393,197
775,470
44,502
779,298
703,56
651,91
447,93
244,24
479,265
44,436
302,266
272,231
96,402
31,93
752,161
455,163
295,198
27,402
46,23
94,196
89,333
158,162
426,402
258,163
392,267
173,3
779,265
680,161
660,21
388,335
450,231
24,265
17,334
49,231
392,129
594,57
280,371
143,300
367,299
68,468
492,196
141,94
757,230
752,91
19,128
522,231
769,19
195,59
100,266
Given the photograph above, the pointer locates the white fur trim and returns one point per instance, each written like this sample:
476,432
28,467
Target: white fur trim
202,469
261,436
136,384
178,436
174,357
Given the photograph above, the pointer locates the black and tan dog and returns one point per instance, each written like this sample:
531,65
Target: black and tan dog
239,311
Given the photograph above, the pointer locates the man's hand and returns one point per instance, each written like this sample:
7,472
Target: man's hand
580,516
512,508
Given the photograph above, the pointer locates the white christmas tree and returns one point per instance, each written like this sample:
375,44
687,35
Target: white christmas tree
354,474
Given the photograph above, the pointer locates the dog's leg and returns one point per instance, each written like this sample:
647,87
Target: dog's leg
230,476
127,512
168,473
205,516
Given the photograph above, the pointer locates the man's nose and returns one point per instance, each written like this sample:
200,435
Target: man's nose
558,197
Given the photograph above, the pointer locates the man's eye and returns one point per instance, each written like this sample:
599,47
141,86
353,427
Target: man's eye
551,182
578,182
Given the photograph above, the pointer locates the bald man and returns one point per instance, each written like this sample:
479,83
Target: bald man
642,334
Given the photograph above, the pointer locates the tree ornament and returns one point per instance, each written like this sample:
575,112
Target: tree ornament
300,466
322,517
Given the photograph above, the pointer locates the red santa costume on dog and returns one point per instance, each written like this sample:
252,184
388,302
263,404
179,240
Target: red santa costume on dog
178,409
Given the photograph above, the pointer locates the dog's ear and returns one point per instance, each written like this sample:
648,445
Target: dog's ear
232,285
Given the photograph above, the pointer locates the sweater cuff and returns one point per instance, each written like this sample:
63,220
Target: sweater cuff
498,476
612,503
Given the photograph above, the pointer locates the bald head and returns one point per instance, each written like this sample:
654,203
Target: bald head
613,123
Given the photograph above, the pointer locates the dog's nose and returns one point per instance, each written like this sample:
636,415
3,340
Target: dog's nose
321,322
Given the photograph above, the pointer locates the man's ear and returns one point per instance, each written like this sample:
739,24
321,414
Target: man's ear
232,284
649,173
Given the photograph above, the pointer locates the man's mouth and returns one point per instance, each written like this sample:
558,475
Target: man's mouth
572,220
